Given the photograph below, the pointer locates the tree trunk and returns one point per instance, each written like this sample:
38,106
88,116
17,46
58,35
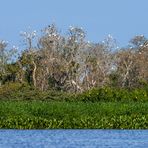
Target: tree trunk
34,73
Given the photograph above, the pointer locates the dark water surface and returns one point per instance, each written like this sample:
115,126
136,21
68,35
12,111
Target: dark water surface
73,138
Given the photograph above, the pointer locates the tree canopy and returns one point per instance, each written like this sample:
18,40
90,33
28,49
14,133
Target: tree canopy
71,63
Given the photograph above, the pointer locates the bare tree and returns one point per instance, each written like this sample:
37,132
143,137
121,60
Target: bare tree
30,52
51,62
99,63
3,59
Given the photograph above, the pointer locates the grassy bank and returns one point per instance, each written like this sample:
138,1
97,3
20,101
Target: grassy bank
47,114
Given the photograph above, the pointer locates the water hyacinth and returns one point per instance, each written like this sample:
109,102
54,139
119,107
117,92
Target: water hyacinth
64,115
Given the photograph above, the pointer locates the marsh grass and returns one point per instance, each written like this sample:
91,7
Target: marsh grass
45,115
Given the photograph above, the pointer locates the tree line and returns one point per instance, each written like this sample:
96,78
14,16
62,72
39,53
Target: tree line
73,64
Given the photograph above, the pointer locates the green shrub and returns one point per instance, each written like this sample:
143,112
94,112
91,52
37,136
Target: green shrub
113,94
139,95
98,94
18,91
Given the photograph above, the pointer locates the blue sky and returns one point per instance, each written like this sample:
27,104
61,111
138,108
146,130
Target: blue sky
123,19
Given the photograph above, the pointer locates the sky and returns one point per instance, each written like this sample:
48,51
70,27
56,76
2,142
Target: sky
123,19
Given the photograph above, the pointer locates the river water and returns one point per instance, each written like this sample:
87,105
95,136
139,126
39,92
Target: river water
73,138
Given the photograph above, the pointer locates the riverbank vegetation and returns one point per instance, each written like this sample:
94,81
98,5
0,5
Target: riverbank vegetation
65,81
21,92
53,115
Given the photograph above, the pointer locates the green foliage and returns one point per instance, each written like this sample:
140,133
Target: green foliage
120,122
18,91
8,89
53,115
114,94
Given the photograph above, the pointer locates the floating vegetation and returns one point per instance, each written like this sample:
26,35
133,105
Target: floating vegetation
66,115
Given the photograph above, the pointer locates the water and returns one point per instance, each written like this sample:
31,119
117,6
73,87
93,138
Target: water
73,138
